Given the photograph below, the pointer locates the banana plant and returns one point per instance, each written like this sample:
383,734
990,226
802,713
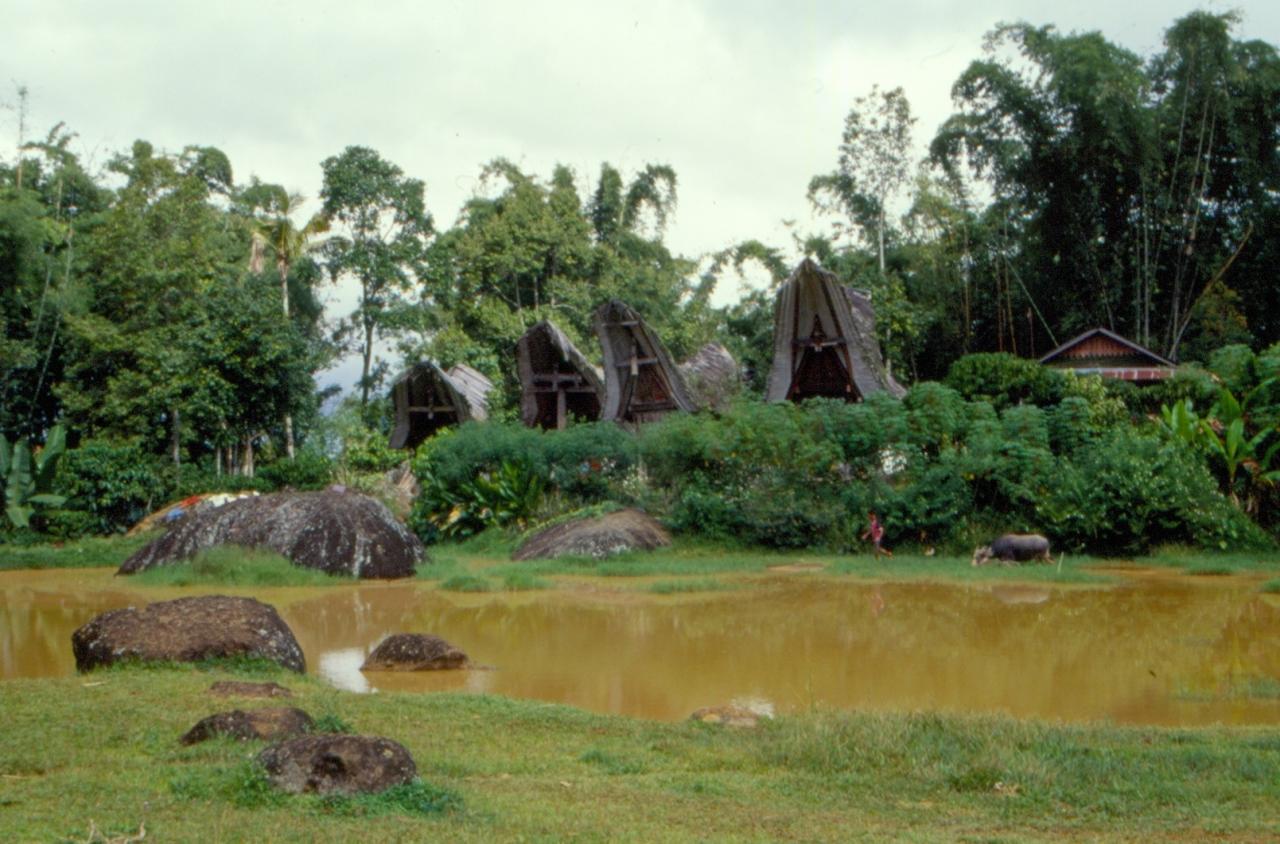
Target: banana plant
28,478
1228,435
1182,423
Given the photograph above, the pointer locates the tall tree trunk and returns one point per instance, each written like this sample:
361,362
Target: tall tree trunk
368,356
246,460
283,267
175,442
880,237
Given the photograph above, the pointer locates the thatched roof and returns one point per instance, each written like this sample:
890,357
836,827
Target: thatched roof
557,381
824,340
427,398
712,376
641,382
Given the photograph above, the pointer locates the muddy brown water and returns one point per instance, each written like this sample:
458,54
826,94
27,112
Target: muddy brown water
1153,648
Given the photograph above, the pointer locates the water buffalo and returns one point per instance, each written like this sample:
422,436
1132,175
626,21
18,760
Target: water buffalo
1014,547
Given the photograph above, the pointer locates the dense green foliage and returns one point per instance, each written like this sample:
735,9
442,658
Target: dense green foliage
938,469
166,316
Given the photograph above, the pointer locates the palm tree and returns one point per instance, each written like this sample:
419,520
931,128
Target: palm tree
274,230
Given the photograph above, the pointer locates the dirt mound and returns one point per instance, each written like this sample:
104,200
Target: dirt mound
598,537
188,630
266,724
235,688
334,531
335,764
414,652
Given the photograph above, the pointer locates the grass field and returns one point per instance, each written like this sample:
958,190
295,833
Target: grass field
95,757
102,749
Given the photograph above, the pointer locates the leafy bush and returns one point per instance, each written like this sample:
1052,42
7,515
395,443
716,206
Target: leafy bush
507,495
1005,380
936,415
188,479
937,468
108,488
496,473
760,472
1070,425
308,470
1235,365
1133,490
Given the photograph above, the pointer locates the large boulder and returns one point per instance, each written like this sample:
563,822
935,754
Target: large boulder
335,531
272,724
597,537
414,652
337,764
188,630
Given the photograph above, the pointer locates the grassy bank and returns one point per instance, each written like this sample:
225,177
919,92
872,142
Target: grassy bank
483,564
507,770
89,552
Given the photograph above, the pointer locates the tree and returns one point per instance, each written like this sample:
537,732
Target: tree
274,230
385,229
874,163
39,279
1124,190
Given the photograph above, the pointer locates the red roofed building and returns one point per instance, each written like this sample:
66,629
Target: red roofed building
1102,352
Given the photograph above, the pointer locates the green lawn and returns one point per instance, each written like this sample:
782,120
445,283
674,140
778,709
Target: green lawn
102,748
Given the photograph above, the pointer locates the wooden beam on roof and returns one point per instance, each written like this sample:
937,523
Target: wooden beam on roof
824,343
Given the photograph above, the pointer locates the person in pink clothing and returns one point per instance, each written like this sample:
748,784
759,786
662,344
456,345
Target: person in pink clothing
875,532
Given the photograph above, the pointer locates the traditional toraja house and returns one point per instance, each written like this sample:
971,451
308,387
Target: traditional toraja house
1102,352
712,376
557,383
427,398
824,341
641,383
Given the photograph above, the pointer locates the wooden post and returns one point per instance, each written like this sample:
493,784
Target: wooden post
561,408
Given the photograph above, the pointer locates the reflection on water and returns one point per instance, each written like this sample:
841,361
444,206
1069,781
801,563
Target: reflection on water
341,668
1154,649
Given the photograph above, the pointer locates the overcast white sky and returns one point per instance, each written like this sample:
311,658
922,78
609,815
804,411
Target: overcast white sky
744,98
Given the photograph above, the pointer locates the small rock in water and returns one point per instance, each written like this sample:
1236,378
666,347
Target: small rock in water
337,764
729,715
414,652
188,630
266,724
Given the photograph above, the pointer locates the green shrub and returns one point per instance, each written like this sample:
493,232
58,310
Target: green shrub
506,495
1005,380
1235,366
760,472
1132,490
108,488
1070,425
927,508
309,470
188,480
496,473
936,415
